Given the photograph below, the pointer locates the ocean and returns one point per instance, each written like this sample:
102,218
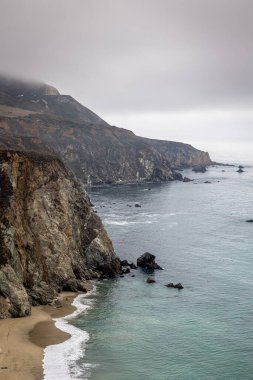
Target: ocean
126,329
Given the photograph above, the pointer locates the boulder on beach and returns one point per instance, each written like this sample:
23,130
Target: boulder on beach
147,261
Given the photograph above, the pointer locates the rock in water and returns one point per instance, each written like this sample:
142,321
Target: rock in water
150,280
199,169
50,238
124,263
179,286
147,261
176,286
249,221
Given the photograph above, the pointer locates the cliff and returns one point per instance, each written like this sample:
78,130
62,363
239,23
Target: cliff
50,238
180,155
97,152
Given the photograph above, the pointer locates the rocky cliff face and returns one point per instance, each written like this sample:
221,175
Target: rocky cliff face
180,155
50,238
95,151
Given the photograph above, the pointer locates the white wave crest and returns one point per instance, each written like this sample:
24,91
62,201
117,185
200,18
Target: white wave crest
60,360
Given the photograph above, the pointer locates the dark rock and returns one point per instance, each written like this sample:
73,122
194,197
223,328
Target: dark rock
177,176
170,285
150,280
186,179
124,263
240,167
179,286
240,171
199,169
176,286
121,276
133,275
249,221
207,182
147,260
137,205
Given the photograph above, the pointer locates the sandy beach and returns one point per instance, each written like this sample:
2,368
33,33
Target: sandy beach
22,340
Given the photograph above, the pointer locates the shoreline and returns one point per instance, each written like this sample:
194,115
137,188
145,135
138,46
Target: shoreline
22,340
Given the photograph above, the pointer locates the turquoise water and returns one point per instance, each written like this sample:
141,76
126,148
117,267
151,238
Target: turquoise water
198,233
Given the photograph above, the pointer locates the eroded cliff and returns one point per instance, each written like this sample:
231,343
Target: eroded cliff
50,238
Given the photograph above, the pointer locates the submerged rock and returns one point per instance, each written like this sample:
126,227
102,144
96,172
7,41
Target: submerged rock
147,261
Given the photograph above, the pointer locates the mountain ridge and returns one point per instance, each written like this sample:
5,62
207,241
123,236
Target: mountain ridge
96,152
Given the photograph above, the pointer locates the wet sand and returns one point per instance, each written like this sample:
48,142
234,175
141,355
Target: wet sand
22,340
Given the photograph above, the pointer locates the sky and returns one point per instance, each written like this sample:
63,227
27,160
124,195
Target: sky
168,69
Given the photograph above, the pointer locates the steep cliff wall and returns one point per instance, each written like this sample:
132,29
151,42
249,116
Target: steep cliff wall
50,238
180,155
97,155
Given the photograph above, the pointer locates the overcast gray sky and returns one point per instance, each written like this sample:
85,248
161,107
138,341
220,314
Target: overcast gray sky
174,69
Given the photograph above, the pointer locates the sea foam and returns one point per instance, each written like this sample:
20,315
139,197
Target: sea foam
60,360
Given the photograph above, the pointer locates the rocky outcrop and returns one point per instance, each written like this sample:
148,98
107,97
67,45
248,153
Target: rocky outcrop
199,169
97,152
50,238
147,261
176,286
